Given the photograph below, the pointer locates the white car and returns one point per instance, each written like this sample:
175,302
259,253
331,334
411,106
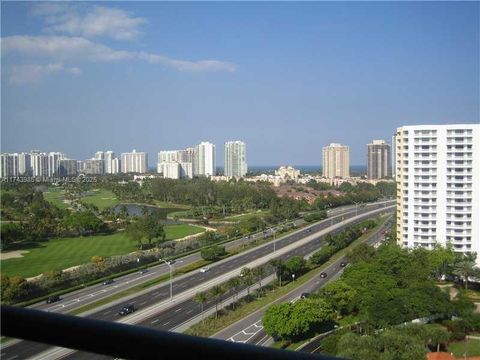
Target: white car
204,269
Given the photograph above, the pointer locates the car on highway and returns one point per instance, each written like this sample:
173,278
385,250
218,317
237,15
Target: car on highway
308,230
108,282
204,269
126,309
343,264
323,275
304,295
143,271
52,299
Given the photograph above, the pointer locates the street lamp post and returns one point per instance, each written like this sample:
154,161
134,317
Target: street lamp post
293,277
171,283
274,232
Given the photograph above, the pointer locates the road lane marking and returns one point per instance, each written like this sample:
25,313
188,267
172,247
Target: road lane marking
155,321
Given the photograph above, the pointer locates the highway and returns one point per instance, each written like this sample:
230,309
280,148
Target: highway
90,294
158,310
250,330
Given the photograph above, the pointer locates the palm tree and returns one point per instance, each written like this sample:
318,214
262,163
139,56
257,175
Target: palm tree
216,293
234,284
201,298
247,278
259,272
466,268
279,266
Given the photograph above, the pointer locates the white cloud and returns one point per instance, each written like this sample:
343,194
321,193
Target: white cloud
32,73
88,21
64,48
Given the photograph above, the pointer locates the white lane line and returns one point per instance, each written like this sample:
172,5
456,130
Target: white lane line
107,312
155,321
189,311
13,357
178,309
143,303
168,322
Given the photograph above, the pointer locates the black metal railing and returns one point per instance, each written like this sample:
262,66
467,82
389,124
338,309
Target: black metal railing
128,341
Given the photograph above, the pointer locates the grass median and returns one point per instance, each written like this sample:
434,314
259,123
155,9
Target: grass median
243,308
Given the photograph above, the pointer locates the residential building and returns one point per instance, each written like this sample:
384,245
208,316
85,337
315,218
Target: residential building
116,166
108,157
378,160
438,192
24,164
168,156
67,167
8,165
235,159
53,163
99,155
287,172
336,161
93,167
186,170
169,169
186,156
39,163
134,162
204,159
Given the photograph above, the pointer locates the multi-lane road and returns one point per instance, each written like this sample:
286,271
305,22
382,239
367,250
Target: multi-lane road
249,330
157,311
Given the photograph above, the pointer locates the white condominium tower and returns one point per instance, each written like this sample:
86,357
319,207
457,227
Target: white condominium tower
378,160
235,159
336,161
8,165
204,159
134,162
438,186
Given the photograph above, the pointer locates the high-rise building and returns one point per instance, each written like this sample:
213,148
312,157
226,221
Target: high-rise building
186,156
53,163
134,162
93,167
24,164
186,170
168,156
116,166
39,163
204,159
336,161
108,157
378,164
235,159
169,169
438,192
8,165
99,155
393,152
67,167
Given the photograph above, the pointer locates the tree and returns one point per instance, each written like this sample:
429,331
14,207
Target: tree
465,269
216,293
341,296
212,252
362,252
279,267
292,321
296,265
247,278
234,285
201,298
134,232
259,273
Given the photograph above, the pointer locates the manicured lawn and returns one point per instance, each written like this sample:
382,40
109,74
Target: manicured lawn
247,216
67,252
100,198
55,196
471,347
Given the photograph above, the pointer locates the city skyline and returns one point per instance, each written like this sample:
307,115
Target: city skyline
158,82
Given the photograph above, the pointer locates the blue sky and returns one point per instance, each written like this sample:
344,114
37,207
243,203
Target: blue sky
285,77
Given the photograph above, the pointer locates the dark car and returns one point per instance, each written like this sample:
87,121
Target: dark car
342,264
52,299
308,230
143,271
304,295
127,309
108,282
323,275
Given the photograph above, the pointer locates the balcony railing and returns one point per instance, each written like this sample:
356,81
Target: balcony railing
128,341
